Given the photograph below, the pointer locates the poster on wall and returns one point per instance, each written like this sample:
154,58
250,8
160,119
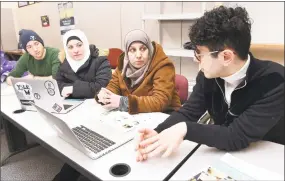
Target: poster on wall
66,14
45,21
25,3
22,3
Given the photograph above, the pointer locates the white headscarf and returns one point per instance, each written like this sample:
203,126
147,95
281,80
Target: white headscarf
76,64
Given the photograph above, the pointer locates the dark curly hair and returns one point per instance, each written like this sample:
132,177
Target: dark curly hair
223,27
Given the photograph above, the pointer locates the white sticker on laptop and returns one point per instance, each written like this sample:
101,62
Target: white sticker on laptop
25,89
49,85
50,88
56,107
37,96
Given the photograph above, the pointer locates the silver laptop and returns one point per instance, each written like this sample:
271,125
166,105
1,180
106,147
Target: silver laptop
44,93
95,139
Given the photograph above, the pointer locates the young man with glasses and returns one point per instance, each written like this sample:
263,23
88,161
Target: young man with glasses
243,96
41,62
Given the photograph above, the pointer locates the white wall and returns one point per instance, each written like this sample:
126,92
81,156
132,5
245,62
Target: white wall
9,4
106,23
268,21
8,36
8,28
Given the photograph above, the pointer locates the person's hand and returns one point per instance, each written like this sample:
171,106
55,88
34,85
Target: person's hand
144,133
164,143
66,91
29,76
101,95
8,80
111,100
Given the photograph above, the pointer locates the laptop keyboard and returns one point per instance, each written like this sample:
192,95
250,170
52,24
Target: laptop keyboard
92,140
66,106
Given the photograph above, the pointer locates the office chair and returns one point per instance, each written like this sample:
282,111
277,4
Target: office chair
113,56
181,85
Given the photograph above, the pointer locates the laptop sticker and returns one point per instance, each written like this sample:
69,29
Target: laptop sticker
50,87
51,92
25,89
57,107
26,102
37,96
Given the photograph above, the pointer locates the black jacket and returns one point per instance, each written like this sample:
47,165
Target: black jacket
256,111
90,77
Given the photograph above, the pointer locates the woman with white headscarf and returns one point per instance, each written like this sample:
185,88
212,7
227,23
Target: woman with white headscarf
83,72
144,80
81,75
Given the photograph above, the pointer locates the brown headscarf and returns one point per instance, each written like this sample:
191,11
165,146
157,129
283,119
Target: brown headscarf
134,74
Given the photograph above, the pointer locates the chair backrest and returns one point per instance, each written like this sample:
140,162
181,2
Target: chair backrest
113,56
102,52
273,52
181,85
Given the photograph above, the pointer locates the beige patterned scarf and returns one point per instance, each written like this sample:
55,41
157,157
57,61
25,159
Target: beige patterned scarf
136,75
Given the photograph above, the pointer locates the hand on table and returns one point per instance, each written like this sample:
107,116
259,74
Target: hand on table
29,76
9,82
144,133
151,144
109,99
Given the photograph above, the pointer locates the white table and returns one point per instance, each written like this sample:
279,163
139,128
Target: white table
263,154
152,169
6,90
16,139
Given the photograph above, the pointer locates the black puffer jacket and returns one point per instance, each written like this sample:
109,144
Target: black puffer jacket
90,77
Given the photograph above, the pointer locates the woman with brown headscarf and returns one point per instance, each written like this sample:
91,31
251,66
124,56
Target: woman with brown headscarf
144,80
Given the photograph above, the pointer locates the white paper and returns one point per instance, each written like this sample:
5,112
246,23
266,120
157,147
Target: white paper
232,168
251,170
